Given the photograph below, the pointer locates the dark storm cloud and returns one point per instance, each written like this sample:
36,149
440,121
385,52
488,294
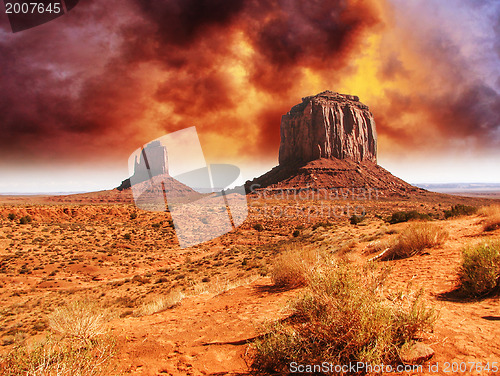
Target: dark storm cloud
471,111
61,82
315,34
181,22
189,38
437,91
76,77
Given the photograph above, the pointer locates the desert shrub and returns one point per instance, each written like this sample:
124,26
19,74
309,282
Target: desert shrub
459,209
414,239
492,220
296,233
84,320
127,236
290,268
355,219
405,216
258,227
133,215
161,303
25,220
479,273
324,224
56,357
11,216
343,317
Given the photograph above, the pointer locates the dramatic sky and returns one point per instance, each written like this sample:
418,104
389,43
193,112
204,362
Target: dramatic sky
81,93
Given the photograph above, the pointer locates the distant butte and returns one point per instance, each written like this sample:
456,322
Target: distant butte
330,141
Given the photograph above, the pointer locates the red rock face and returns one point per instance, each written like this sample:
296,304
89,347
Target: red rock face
328,125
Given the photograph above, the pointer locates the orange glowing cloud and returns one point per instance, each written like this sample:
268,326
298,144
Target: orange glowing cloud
232,68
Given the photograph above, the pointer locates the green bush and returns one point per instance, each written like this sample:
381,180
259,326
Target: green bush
405,216
343,317
479,273
459,209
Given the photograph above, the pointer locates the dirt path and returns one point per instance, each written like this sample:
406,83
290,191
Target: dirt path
204,335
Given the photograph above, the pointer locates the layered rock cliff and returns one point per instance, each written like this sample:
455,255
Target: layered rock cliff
328,125
330,141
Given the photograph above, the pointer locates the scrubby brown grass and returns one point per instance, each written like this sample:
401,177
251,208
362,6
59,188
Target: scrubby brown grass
57,357
414,240
290,269
84,320
479,273
161,303
343,317
492,220
78,345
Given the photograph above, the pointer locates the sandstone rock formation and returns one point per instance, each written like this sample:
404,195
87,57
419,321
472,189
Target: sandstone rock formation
328,125
330,141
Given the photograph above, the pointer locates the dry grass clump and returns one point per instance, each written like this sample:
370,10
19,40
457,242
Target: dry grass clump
343,317
414,239
84,320
492,214
161,303
56,357
81,349
290,269
479,273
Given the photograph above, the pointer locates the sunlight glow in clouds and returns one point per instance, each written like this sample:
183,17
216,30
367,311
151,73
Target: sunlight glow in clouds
89,88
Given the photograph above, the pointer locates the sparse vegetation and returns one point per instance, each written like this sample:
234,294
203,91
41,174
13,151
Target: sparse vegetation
405,216
460,209
25,220
414,240
161,303
11,216
356,219
343,317
492,220
81,346
84,320
258,227
290,269
57,357
323,224
479,273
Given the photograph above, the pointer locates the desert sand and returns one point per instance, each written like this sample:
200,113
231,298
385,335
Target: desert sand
126,259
